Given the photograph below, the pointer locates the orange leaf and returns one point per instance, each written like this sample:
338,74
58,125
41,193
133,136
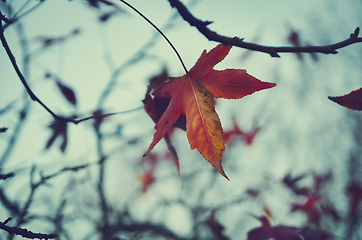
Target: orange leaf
147,179
193,94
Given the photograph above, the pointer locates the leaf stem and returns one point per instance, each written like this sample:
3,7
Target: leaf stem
162,34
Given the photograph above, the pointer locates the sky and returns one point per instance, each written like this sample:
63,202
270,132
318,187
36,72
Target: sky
301,129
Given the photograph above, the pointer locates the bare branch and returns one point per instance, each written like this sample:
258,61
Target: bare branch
16,17
24,232
20,75
6,176
32,94
202,26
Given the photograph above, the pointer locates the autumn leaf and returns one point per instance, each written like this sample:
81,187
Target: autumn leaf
295,41
193,95
147,179
292,184
237,132
216,227
59,129
312,233
353,100
279,232
67,92
156,106
320,179
311,207
98,119
354,191
264,232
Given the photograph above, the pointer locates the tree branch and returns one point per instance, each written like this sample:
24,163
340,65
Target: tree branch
20,75
202,26
16,17
6,176
32,94
24,232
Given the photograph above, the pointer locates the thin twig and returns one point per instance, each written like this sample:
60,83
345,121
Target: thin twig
202,26
15,18
105,115
138,56
16,130
20,75
163,35
24,232
32,94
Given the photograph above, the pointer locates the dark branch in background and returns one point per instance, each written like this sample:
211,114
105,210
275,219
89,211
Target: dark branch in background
24,232
13,208
31,93
6,176
202,26
22,79
23,112
16,16
21,213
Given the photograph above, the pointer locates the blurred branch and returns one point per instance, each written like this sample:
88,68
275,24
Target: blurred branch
103,224
6,176
202,26
24,232
15,18
57,220
149,229
13,208
20,75
21,213
31,93
25,109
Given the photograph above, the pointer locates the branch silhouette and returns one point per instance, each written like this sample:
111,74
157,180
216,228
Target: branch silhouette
202,26
24,232
32,94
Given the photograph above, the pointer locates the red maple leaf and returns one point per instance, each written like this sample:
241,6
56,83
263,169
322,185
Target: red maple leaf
311,207
156,106
193,95
236,132
352,100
